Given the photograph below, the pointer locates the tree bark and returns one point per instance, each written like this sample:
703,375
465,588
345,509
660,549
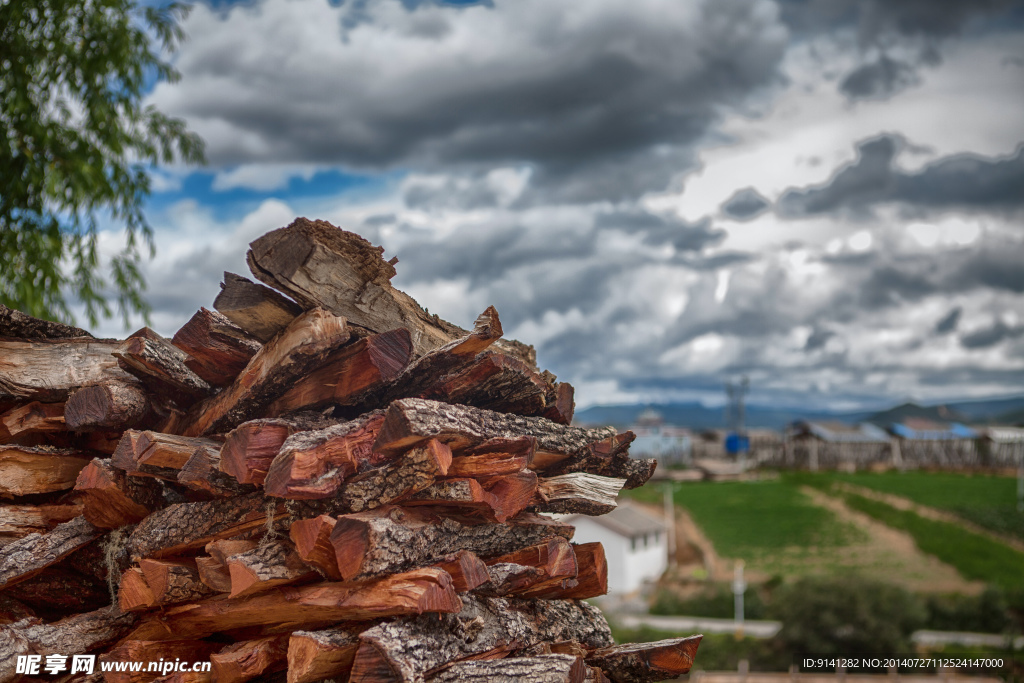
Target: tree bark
26,470
266,566
217,348
646,662
298,349
32,418
112,500
416,470
186,526
393,539
540,669
48,371
409,649
316,655
111,405
350,374
258,310
494,381
414,592
318,264
554,560
173,581
161,366
251,658
60,590
308,457
609,457
15,324
409,421
251,447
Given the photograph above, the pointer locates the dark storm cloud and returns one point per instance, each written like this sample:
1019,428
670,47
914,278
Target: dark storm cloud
990,336
949,321
878,79
818,339
599,95
745,204
658,230
961,181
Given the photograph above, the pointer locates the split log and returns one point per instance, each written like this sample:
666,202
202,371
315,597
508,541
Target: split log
26,470
507,578
221,550
21,520
312,539
608,457
173,581
644,662
217,349
48,370
318,264
31,554
202,473
33,418
494,457
258,310
18,325
393,539
127,452
266,566
494,499
186,526
111,405
298,349
157,653
562,405
251,446
408,649
167,450
466,569
494,381
591,576
161,366
111,500
306,458
316,655
410,421
554,560
414,592
249,659
134,593
214,574
415,471
350,374
539,669
578,493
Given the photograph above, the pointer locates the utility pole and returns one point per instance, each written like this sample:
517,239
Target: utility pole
670,522
1020,483
738,587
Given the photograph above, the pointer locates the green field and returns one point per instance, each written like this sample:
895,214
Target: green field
989,502
974,556
752,519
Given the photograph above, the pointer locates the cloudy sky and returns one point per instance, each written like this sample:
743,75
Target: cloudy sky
660,195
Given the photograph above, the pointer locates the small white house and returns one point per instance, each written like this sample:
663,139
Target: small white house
635,545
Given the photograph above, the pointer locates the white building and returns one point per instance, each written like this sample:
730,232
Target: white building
635,545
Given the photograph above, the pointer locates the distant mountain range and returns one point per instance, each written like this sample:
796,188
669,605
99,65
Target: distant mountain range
1007,411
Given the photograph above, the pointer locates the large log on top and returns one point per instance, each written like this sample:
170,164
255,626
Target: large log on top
49,370
258,310
318,264
18,325
406,649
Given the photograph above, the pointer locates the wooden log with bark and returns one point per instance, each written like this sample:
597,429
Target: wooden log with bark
251,447
161,366
299,348
27,470
173,581
591,576
408,649
258,310
48,370
312,539
201,472
112,500
554,560
21,520
537,669
168,450
646,662
578,493
251,658
494,457
318,655
32,418
392,539
111,405
268,565
495,498
413,592
217,349
18,325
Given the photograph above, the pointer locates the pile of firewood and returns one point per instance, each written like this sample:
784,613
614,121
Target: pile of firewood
318,482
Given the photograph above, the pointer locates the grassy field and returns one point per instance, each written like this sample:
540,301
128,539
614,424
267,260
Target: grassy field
987,501
974,556
771,524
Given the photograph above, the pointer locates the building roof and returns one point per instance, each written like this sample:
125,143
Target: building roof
921,430
838,432
627,520
1005,434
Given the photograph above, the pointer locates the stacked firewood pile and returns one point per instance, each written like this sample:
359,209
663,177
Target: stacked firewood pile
319,480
